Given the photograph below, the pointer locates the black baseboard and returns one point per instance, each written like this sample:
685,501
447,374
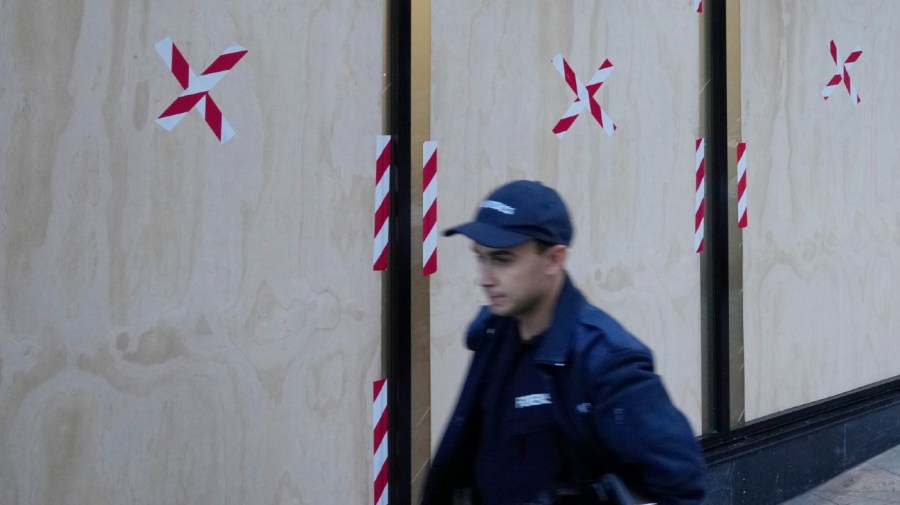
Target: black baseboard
783,456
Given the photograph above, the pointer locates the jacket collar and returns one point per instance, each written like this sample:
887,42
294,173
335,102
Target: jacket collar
554,348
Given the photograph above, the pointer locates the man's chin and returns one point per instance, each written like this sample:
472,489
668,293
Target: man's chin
499,310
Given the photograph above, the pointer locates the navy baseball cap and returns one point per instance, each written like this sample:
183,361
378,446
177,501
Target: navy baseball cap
517,212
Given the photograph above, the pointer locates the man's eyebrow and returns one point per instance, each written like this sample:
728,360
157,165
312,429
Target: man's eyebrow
494,253
502,253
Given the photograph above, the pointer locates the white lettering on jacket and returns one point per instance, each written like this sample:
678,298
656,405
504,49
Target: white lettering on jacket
532,400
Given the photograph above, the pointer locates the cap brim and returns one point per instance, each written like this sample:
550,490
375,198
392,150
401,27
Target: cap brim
488,235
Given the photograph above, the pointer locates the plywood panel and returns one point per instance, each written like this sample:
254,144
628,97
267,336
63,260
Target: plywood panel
183,321
821,257
496,97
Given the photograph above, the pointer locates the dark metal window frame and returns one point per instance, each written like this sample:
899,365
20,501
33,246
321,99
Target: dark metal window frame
399,30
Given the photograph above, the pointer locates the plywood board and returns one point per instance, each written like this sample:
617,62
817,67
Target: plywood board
183,321
495,100
821,260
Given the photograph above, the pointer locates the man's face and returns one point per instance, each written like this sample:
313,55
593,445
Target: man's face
516,279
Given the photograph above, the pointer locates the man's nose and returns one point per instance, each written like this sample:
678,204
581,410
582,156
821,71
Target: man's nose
486,276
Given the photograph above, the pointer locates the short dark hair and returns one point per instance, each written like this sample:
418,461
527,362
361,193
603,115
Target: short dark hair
543,246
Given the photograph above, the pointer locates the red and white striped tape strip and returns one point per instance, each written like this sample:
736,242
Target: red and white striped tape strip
698,5
196,89
699,178
842,73
585,96
382,201
380,432
429,207
742,184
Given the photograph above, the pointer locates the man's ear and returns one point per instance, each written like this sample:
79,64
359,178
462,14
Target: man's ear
556,255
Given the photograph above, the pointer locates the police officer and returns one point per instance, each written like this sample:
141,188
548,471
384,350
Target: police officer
559,396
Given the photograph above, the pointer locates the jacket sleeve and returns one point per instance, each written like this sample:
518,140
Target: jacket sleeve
451,466
637,422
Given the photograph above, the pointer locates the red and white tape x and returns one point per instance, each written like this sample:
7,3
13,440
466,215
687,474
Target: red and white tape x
585,96
698,5
380,436
382,201
429,207
197,88
842,73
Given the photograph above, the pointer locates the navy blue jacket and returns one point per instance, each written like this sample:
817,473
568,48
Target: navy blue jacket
608,400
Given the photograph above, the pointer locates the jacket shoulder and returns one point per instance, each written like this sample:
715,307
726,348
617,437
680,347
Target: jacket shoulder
600,331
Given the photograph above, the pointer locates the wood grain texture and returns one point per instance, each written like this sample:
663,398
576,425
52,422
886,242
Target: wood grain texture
821,257
183,321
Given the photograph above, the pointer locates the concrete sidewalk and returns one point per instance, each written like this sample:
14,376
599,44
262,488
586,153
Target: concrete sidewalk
876,481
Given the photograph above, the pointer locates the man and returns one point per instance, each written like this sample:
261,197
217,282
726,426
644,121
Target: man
558,393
